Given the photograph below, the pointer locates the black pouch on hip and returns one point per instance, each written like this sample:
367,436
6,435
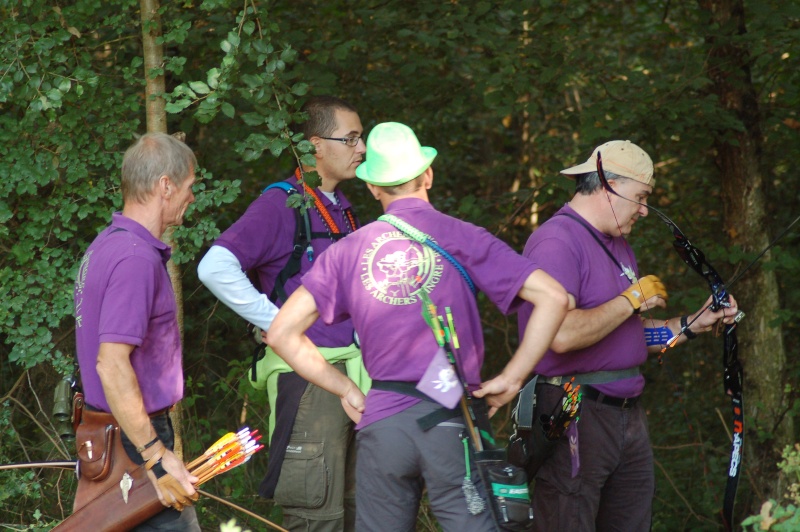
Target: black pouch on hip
529,445
507,486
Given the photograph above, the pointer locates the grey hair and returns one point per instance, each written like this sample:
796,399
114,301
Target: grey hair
588,183
150,157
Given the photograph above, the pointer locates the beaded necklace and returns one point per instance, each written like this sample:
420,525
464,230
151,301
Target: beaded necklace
327,219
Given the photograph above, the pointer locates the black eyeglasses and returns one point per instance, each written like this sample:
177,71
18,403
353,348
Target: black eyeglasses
350,141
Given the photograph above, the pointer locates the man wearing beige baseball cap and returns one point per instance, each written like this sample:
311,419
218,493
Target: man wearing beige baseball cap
600,475
378,276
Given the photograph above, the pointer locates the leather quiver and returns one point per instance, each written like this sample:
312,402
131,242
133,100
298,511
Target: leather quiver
108,511
99,501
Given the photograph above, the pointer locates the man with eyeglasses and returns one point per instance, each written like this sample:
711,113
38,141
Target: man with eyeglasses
311,471
600,475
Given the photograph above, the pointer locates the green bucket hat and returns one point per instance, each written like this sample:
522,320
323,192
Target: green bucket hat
394,156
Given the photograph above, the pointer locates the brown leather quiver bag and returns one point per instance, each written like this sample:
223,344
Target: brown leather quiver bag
103,464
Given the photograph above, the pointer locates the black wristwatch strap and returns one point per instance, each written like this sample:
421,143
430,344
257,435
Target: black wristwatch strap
685,329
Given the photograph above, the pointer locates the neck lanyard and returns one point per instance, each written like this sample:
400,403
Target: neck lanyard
327,219
627,272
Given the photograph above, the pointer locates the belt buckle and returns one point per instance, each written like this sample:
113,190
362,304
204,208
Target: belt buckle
625,403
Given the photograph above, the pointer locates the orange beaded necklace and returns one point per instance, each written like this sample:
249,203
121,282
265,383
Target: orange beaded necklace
322,210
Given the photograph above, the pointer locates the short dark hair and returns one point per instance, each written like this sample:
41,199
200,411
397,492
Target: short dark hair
405,188
321,112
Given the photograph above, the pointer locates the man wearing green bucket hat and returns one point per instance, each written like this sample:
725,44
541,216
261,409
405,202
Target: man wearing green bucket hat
379,277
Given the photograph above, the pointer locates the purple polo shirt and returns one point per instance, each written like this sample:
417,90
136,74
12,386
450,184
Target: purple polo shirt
564,248
375,277
263,238
123,295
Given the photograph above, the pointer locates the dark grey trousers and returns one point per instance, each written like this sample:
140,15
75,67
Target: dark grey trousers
614,488
396,460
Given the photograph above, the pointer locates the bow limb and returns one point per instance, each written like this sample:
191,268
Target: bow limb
66,464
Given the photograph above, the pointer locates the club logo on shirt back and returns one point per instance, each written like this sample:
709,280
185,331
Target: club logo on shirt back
394,269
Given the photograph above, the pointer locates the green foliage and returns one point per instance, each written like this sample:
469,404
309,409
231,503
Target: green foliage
509,93
783,515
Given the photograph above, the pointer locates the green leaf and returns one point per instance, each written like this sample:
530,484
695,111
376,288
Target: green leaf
252,119
177,106
212,78
199,87
300,89
228,110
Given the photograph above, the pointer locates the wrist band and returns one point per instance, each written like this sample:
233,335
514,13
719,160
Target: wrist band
147,445
155,459
158,470
657,336
685,329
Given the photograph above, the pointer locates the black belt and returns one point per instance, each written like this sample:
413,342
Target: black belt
620,402
428,421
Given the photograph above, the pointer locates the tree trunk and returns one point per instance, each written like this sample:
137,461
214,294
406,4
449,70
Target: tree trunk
737,155
157,123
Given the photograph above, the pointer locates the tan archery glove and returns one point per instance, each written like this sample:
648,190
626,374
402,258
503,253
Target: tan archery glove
644,289
170,485
172,491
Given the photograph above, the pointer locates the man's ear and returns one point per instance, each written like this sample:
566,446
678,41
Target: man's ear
318,146
165,186
375,191
428,180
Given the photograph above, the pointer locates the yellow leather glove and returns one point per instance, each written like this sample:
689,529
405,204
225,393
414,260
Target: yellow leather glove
644,289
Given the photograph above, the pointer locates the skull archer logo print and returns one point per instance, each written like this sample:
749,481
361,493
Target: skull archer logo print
394,269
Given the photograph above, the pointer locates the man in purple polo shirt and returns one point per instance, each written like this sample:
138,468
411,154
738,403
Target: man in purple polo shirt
376,278
311,471
127,336
608,483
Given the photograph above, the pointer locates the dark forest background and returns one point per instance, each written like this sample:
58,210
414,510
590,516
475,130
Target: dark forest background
508,91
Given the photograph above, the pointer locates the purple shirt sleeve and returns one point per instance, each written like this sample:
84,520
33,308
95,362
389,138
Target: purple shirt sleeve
127,302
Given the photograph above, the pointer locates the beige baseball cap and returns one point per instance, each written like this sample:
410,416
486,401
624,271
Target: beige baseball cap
621,157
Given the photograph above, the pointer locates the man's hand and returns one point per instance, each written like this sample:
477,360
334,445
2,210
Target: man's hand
648,291
176,488
704,321
353,402
498,391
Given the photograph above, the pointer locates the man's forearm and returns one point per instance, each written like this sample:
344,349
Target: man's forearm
221,272
584,327
287,338
539,333
122,392
551,304
306,360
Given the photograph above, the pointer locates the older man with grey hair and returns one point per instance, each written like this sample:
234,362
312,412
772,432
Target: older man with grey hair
129,347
